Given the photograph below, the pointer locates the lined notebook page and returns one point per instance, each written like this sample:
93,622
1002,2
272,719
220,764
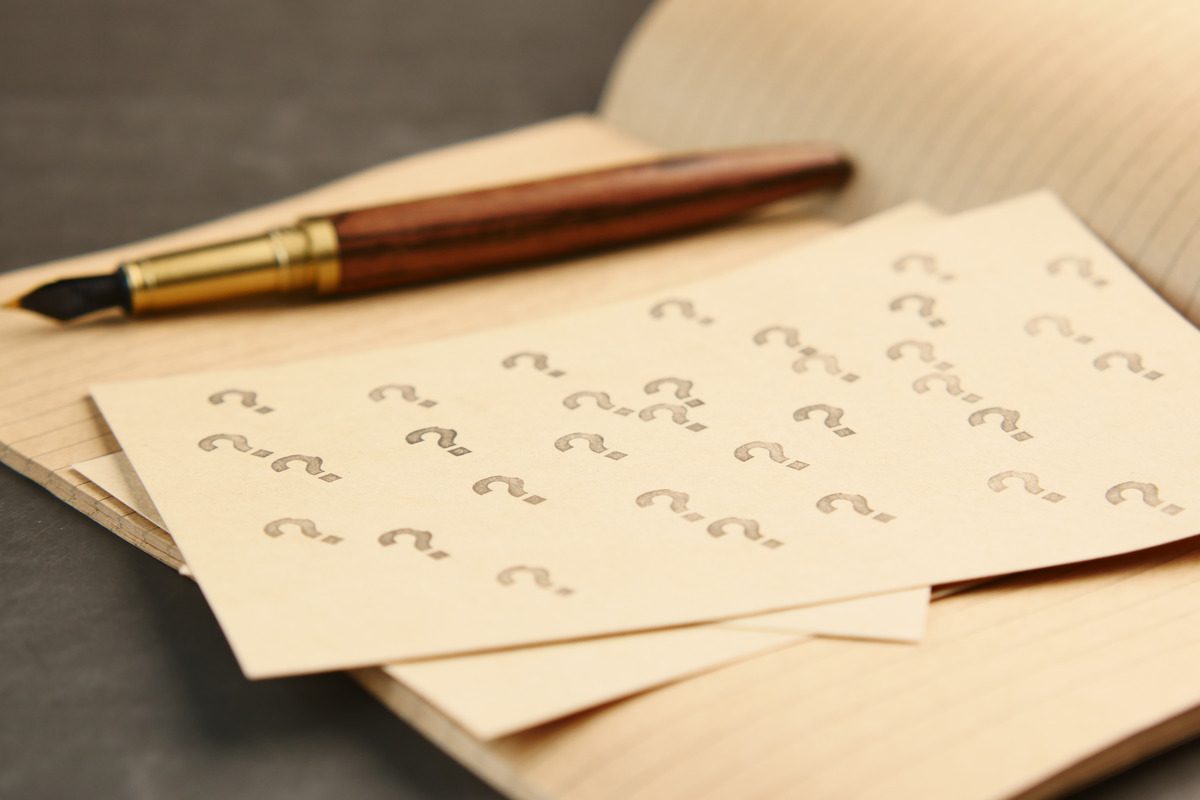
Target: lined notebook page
957,104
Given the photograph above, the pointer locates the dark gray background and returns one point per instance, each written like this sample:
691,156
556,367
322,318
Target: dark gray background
119,120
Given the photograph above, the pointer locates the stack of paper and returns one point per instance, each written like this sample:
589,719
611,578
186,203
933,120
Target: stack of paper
532,520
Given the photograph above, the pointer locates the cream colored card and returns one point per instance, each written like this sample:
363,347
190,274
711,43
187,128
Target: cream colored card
495,694
355,640
871,418
891,617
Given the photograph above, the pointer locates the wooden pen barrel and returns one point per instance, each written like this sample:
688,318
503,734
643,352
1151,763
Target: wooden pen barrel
462,234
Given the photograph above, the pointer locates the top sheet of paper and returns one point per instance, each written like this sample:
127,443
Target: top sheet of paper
879,411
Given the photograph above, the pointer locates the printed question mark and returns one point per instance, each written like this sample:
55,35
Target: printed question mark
924,352
1081,265
1133,362
307,527
924,307
539,360
422,541
685,308
683,389
1149,492
1008,421
833,417
312,465
1063,325
678,500
407,392
749,530
541,577
952,382
856,501
249,399
595,444
516,488
831,364
774,451
678,415
791,336
239,442
924,261
602,400
446,438
1030,481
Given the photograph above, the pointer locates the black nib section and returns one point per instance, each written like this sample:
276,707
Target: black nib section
73,297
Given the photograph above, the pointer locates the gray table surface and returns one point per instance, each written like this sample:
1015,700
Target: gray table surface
119,120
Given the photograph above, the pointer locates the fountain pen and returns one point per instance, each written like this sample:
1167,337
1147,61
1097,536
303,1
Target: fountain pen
457,235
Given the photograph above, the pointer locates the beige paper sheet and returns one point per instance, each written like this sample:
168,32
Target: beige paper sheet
363,638
496,694
891,617
610,549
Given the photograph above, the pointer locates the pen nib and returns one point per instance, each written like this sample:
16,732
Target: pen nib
73,297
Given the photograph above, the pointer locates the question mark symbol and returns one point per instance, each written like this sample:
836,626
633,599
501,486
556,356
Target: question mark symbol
924,307
539,360
516,488
683,390
924,352
952,382
1063,325
595,444
407,392
239,442
924,261
774,451
856,501
1081,265
1008,421
678,500
1149,492
422,541
831,364
446,438
1132,361
685,307
749,530
602,400
541,578
249,399
791,336
312,465
1030,481
833,417
307,527
678,415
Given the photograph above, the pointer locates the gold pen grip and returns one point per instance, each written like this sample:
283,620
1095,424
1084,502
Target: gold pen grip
303,256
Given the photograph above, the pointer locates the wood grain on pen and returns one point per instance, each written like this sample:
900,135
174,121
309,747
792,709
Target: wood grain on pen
453,235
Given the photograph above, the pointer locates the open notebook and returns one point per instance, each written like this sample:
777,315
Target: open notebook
1030,686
